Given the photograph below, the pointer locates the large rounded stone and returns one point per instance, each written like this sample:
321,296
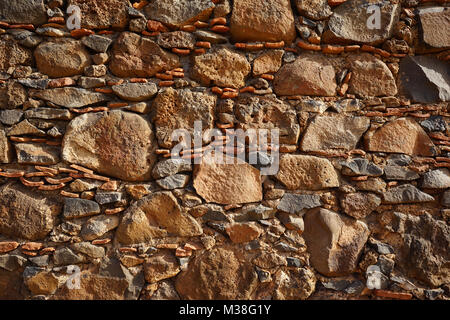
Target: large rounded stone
116,143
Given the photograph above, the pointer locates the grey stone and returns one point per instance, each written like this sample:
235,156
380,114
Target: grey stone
34,83
71,97
12,262
77,208
400,173
173,182
170,167
296,203
97,226
386,265
380,247
406,193
294,262
65,256
315,106
89,249
10,117
259,212
361,166
109,197
48,114
97,43
40,261
434,123
398,160
437,179
28,153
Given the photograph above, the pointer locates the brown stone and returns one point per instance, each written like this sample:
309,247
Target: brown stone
436,27
359,205
294,284
12,55
401,136
5,147
116,143
102,14
222,67
230,182
135,56
334,241
306,172
314,9
254,20
155,216
309,74
334,132
42,283
25,213
161,266
269,62
70,97
243,232
62,58
218,274
12,95
370,77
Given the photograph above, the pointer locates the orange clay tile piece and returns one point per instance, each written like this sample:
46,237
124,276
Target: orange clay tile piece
163,76
308,46
139,5
203,44
80,168
32,246
22,26
267,76
183,52
101,241
393,295
229,95
201,24
57,20
12,174
220,20
47,250
332,49
7,246
188,28
220,29
28,183
51,187
78,33
69,194
274,45
103,90
200,51
166,83
138,80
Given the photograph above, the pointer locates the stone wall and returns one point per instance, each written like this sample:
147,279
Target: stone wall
91,195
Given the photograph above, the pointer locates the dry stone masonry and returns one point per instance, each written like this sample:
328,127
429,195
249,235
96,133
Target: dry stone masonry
359,91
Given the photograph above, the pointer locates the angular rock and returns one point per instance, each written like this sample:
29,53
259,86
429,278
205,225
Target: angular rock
232,181
102,14
269,62
309,75
294,284
12,54
359,205
24,128
306,173
65,256
209,278
268,113
48,114
370,77
176,39
292,221
446,199
115,143
314,9
109,197
360,167
424,79
135,56
12,262
161,266
23,11
40,154
63,58
350,22
42,283
221,67
10,117
179,109
253,20
155,216
297,203
88,249
212,37
176,181
71,97
97,226
169,167
334,241
400,136
436,179
433,36
78,208
406,193
177,13
97,43
434,123
342,132
400,173
12,95
243,232
135,91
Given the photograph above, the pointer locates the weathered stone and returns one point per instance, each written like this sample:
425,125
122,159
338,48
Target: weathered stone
12,262
400,136
334,241
109,197
342,132
88,249
434,123
65,256
269,62
370,77
166,291
359,205
26,214
12,54
176,39
372,184
154,216
307,172
42,283
259,21
292,221
80,185
309,74
97,226
314,9
95,71
179,109
12,95
209,278
28,153
71,97
243,232
23,11
400,173
5,147
222,67
24,128
177,13
115,143
135,91
434,36
294,284
11,284
436,179
135,56
212,37
169,167
360,167
161,266
424,79
97,43
91,82
78,208
297,203
229,182
176,181
62,58
48,114
10,117
268,113
406,193
102,14
350,22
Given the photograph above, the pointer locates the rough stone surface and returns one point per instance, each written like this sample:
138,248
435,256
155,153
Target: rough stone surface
23,11
261,21
269,62
102,14
97,226
359,205
314,9
71,97
436,37
243,232
13,54
436,179
306,172
77,208
161,266
297,203
406,193
294,284
115,143
135,91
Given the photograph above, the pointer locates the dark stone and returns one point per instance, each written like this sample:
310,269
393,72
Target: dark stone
97,43
108,197
77,208
360,166
296,203
434,123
